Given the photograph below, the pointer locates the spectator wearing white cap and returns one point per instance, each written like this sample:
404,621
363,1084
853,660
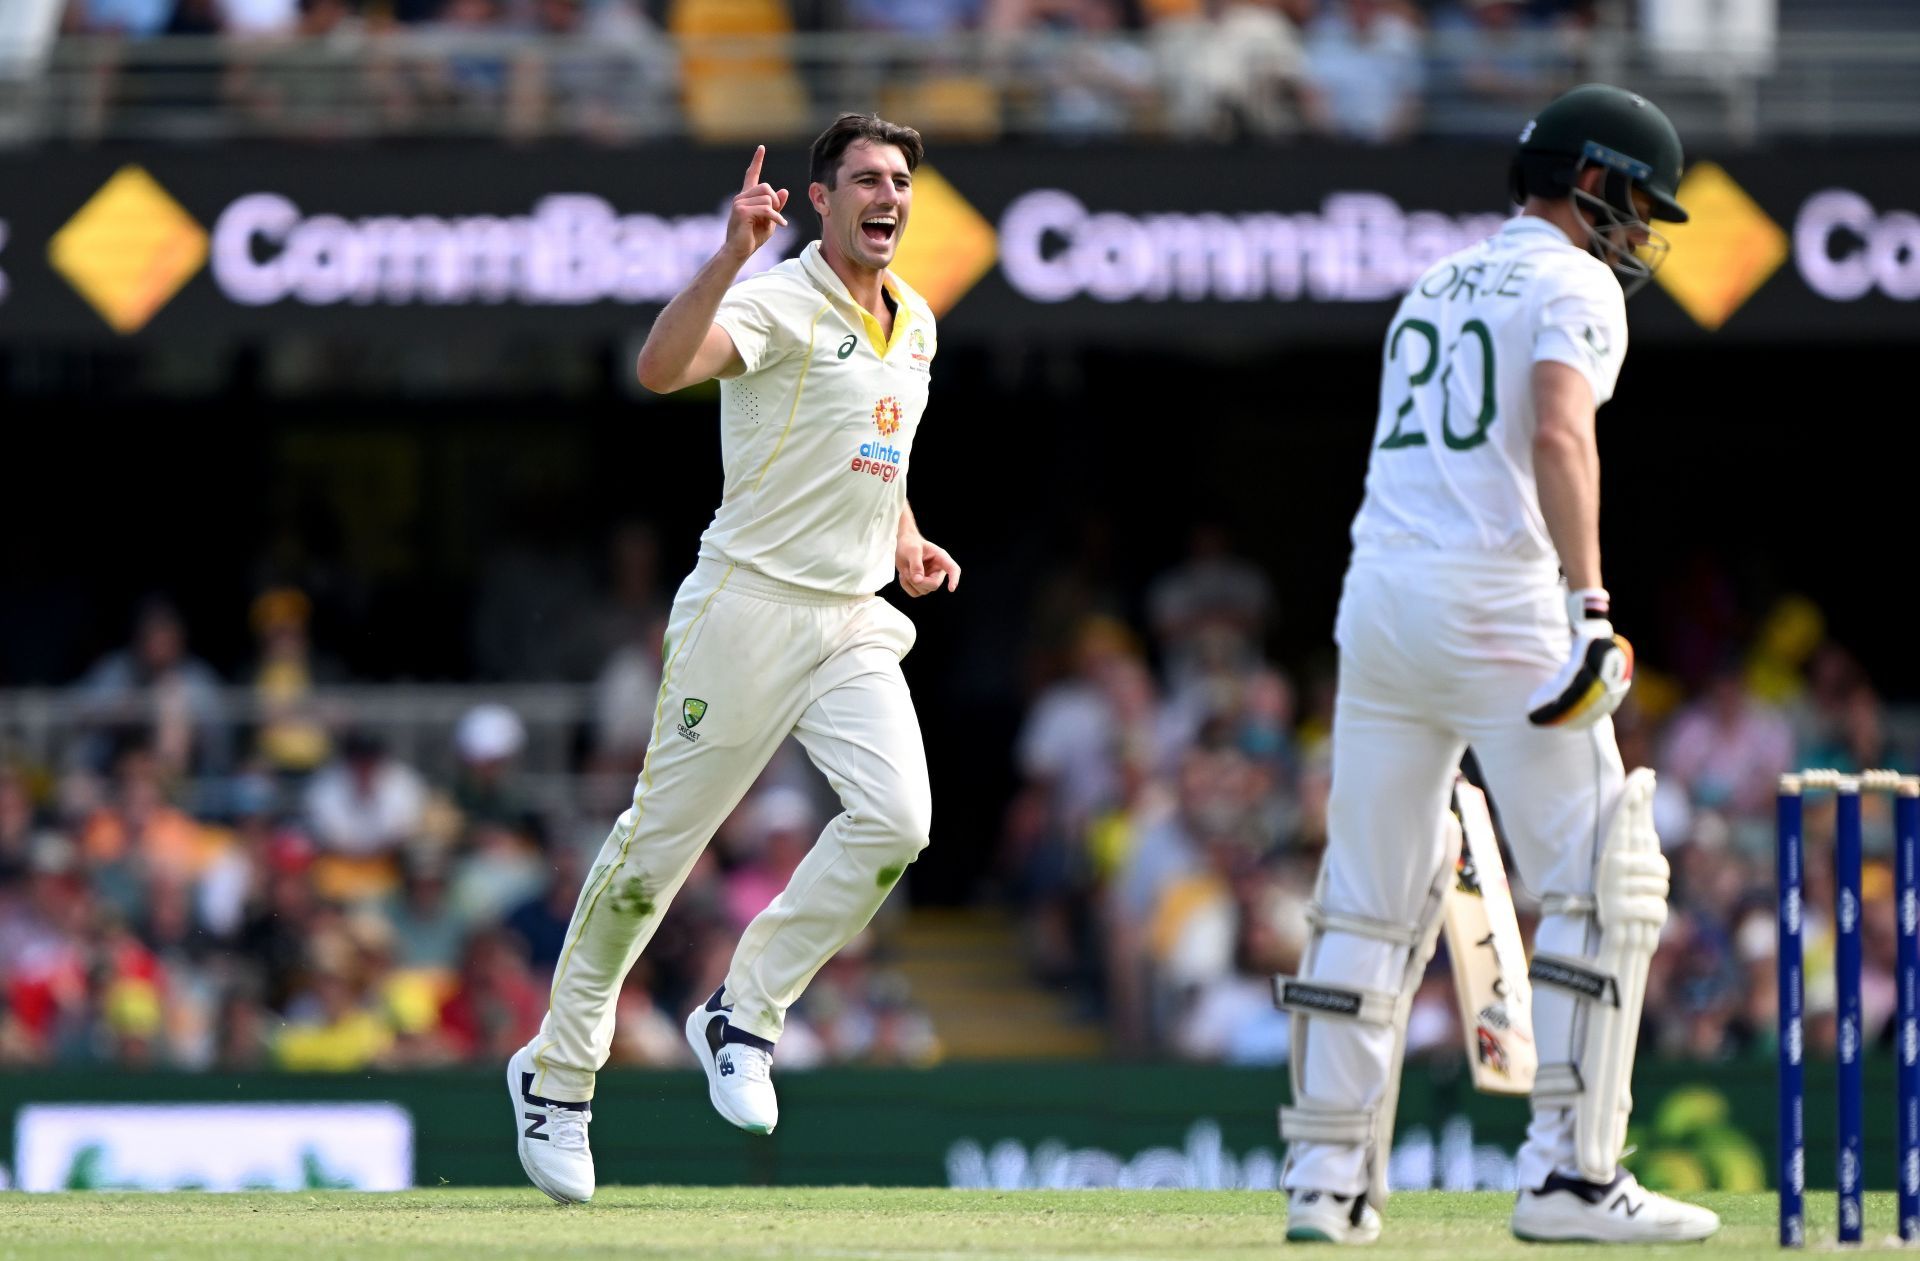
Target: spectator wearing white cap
488,740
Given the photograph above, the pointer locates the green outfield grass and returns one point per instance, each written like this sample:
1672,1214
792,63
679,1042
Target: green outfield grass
718,1224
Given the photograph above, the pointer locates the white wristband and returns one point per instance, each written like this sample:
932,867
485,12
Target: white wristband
1588,604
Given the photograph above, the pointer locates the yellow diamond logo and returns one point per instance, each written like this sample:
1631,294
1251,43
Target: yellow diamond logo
948,246
1726,250
129,249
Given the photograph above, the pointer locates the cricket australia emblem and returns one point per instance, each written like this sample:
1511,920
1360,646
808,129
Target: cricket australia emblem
692,710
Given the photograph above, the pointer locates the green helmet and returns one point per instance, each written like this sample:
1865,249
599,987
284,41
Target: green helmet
1599,125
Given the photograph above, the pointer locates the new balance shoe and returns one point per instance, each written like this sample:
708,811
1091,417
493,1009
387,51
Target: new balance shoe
551,1136
1572,1210
1323,1217
739,1076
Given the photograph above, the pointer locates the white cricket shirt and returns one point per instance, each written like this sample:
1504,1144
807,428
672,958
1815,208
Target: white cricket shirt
815,434
1452,462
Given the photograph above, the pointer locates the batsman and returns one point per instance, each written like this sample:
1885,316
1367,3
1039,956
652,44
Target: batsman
1475,614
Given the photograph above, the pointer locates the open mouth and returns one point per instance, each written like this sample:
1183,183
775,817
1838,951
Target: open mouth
879,229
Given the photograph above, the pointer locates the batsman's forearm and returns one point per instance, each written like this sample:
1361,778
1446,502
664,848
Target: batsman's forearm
1566,467
907,524
681,329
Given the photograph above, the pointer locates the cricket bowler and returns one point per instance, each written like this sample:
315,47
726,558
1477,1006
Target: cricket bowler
824,364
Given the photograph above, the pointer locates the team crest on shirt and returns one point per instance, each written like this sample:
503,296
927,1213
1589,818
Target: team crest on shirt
692,710
917,344
886,416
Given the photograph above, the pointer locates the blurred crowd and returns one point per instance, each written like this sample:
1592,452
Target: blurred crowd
201,874
1164,843
266,869
1353,70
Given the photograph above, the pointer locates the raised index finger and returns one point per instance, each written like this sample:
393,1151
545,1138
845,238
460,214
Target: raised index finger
753,168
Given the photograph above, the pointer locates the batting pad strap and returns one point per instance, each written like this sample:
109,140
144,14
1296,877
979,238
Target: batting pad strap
1325,1125
1558,1086
1569,904
1362,926
1311,998
1576,977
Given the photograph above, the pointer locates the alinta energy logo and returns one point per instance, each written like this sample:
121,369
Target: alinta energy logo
878,459
129,250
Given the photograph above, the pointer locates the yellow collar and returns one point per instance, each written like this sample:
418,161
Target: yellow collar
814,260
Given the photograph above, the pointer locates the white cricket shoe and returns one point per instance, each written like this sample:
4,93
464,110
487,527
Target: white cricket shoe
552,1136
739,1077
1569,1210
1323,1217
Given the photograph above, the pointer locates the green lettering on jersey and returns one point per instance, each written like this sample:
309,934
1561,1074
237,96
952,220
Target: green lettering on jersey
1489,398
1397,440
1514,282
1469,277
1453,270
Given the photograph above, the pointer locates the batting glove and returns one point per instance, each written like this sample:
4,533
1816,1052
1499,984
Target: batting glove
1595,678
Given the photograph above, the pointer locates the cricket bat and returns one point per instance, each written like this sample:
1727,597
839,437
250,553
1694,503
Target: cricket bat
1489,961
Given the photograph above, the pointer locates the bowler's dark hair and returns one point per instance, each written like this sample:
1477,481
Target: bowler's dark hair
823,166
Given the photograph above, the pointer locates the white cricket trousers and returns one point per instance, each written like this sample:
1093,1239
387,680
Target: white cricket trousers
1438,653
748,660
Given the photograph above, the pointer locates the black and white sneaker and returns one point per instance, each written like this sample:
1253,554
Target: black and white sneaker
739,1077
1573,1210
551,1136
1323,1217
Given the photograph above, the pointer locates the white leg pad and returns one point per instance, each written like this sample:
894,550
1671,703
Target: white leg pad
1310,999
1630,904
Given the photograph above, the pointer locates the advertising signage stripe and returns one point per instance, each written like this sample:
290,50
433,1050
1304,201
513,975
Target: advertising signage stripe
1112,245
1701,1126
